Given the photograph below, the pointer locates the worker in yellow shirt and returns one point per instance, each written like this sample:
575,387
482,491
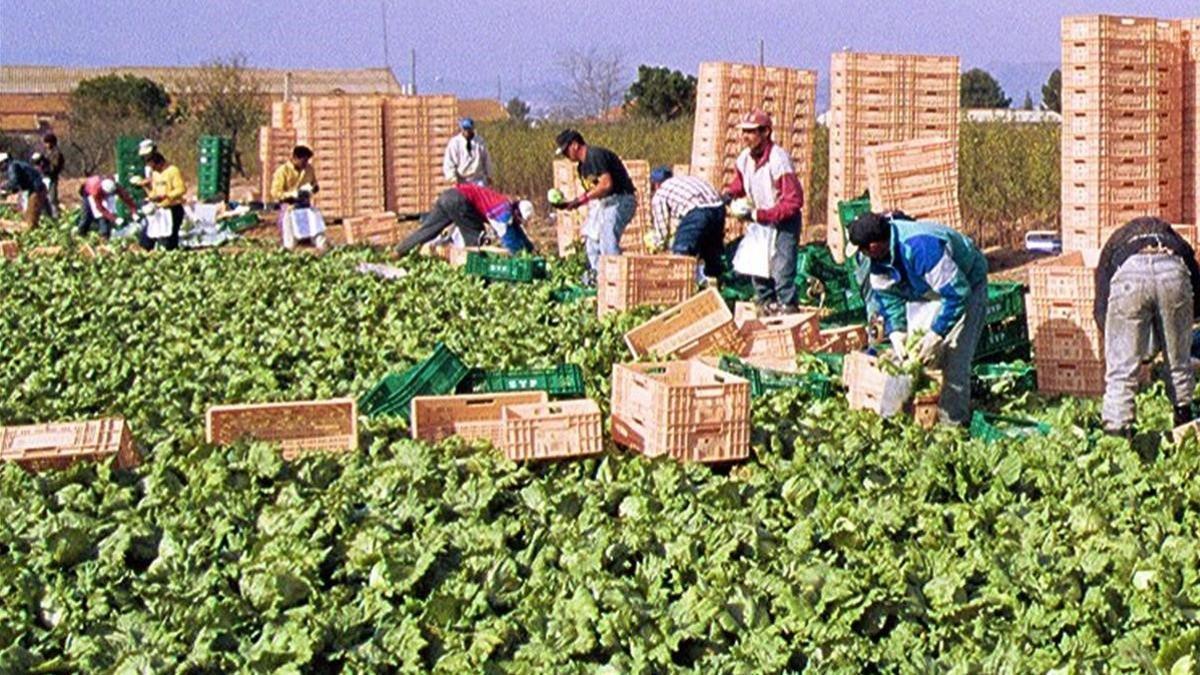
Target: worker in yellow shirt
166,193
292,186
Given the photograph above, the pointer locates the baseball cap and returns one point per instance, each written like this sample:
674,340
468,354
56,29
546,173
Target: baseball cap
565,138
660,174
754,120
3,157
867,228
466,123
145,147
525,208
108,186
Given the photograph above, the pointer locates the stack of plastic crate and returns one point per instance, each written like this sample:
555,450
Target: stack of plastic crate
346,137
919,177
1191,121
883,98
129,166
1122,150
725,92
1067,350
214,164
416,131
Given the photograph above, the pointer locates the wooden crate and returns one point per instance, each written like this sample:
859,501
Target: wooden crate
568,224
1071,276
919,177
781,337
1190,150
843,340
633,239
9,250
468,416
1077,378
628,281
553,430
297,427
700,325
274,148
687,410
376,229
57,445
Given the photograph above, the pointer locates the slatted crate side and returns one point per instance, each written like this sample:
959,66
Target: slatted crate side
468,416
376,229
1076,378
58,445
681,326
298,427
1190,150
633,280
633,239
552,430
568,224
781,337
1071,276
274,148
1104,27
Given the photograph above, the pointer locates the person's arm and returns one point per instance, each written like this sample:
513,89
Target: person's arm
175,188
311,174
1103,282
97,205
791,201
736,187
933,261
892,307
660,218
124,196
450,161
56,165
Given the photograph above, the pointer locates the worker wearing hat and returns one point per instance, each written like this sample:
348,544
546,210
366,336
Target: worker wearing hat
466,159
917,262
607,191
692,210
473,209
23,177
770,199
100,194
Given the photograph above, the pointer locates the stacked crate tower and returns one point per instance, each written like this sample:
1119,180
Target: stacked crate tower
416,130
1191,122
883,98
725,93
1122,140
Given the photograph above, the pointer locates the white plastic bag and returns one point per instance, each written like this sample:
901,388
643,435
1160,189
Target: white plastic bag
305,223
158,224
753,257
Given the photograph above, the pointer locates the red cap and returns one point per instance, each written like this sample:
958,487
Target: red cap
755,120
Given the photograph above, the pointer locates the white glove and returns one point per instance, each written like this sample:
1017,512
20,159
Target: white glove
741,209
930,348
305,188
120,222
898,338
136,181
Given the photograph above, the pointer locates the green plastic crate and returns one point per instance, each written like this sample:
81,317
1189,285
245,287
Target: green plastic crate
435,376
990,428
563,381
1006,300
572,293
239,224
522,269
1002,338
214,167
1023,376
852,208
764,381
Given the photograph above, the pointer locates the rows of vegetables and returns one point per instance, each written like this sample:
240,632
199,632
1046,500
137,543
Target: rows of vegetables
846,543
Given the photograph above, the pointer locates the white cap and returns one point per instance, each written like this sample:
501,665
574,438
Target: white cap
3,157
35,156
525,208
145,147
108,186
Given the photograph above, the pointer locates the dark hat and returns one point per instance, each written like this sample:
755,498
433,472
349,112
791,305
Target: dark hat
565,138
867,228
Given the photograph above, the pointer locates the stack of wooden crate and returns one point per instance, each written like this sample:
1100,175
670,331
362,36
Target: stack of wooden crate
1191,121
883,98
416,131
919,177
569,224
274,148
346,137
1067,349
1122,149
726,92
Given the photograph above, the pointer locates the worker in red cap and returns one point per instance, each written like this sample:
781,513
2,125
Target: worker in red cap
765,193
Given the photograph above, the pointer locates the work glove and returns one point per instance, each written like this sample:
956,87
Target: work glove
898,338
305,188
741,209
929,350
120,222
136,181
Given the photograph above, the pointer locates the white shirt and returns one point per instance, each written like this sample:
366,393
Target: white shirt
759,182
461,166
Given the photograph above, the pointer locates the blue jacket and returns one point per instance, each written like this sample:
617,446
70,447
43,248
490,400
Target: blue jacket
22,176
928,262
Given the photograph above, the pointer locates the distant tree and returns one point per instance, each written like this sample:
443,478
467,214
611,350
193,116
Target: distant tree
517,109
222,99
1028,104
101,108
978,89
1052,92
593,81
661,94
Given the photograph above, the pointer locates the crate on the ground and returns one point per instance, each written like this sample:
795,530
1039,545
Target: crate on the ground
298,427
700,325
437,375
376,229
686,410
765,380
468,416
1006,299
782,336
924,409
1005,337
628,281
1020,376
552,430
870,388
57,445
990,428
572,293
842,339
9,250
495,267
563,381
1079,378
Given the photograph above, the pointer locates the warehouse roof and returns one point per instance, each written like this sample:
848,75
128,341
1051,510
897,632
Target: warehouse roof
60,80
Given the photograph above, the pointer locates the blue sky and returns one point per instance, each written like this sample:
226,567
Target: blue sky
472,48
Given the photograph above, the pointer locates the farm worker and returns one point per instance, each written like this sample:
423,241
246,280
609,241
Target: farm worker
166,192
693,210
608,192
917,262
146,148
770,199
39,162
292,186
55,163
1146,285
100,194
467,159
22,177
472,208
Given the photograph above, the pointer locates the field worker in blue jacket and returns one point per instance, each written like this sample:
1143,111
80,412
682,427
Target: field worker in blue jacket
913,262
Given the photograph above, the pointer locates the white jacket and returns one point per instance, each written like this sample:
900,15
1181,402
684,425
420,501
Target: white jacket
461,166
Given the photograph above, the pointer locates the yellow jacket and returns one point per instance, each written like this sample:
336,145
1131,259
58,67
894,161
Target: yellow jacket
287,179
168,183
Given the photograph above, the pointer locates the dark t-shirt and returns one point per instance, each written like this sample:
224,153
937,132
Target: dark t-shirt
599,161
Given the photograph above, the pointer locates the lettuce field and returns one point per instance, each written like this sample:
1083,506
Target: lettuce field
845,544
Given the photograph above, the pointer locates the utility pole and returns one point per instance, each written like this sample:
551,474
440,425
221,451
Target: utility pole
499,90
387,61
413,70
761,60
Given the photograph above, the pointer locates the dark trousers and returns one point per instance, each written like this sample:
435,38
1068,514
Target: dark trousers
169,243
701,233
87,221
451,207
781,286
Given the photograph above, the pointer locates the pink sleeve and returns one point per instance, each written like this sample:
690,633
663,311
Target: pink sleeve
736,188
791,201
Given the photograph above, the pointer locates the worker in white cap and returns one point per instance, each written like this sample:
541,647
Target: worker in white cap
474,209
23,177
100,194
146,148
466,159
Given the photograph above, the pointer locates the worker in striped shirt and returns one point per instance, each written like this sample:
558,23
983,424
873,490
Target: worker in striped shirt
691,208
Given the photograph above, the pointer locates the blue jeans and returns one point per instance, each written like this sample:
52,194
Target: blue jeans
515,241
701,233
608,216
781,287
